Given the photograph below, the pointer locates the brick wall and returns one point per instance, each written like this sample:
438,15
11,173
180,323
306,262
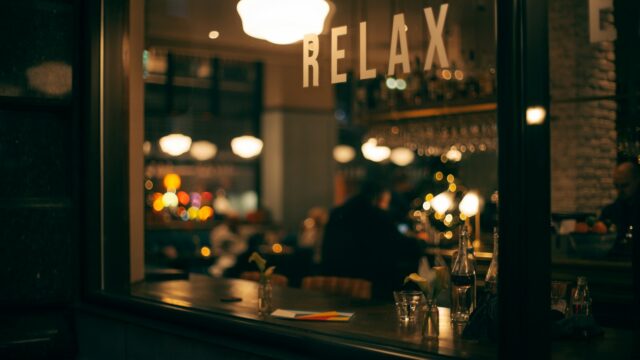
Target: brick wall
583,133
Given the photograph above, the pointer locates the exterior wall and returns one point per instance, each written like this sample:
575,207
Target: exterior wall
583,134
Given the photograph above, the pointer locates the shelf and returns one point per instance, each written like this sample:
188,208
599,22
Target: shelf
431,112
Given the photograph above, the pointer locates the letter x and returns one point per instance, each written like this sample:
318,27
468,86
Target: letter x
435,32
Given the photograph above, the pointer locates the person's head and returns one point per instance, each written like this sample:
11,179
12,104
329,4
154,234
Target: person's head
626,179
376,193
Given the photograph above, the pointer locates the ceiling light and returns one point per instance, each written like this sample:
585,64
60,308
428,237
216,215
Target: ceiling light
175,144
343,153
442,202
282,21
203,150
373,152
536,115
454,155
470,204
246,146
402,156
214,35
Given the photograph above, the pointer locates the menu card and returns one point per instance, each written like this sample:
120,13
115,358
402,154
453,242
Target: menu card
311,315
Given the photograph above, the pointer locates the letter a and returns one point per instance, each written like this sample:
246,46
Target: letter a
310,43
398,32
435,32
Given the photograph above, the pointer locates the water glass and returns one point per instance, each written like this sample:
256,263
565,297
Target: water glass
408,305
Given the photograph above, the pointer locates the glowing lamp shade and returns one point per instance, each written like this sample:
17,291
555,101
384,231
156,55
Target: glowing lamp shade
175,144
402,156
442,202
203,150
246,146
470,204
172,182
536,115
454,155
343,153
373,152
282,21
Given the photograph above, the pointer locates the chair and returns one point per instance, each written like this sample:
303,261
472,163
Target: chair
276,279
351,287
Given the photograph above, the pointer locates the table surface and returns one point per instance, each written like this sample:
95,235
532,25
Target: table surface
372,323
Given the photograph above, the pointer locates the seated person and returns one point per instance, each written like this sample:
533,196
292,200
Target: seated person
624,211
361,241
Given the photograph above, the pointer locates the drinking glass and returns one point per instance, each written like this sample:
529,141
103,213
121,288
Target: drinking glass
408,305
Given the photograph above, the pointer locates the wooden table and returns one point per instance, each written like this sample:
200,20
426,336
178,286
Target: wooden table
374,323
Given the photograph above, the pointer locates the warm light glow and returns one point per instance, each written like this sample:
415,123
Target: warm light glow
536,115
426,205
448,218
391,83
470,204
53,78
450,178
205,213
454,155
148,184
172,182
448,235
442,202
175,144
277,248
282,21
170,199
214,35
452,187
193,212
205,251
428,197
203,150
463,217
146,147
344,153
183,197
246,146
373,152
401,84
439,176
446,74
402,156
458,74
158,204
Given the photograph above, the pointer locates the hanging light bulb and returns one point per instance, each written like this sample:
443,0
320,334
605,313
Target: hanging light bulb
175,144
470,204
203,150
442,202
246,146
402,156
454,154
343,153
282,21
373,152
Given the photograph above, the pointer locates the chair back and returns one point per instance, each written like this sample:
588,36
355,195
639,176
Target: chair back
276,279
343,286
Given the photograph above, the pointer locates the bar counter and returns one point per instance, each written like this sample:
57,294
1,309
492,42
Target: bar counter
373,327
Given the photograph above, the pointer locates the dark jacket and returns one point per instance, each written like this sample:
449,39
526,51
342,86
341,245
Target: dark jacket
361,241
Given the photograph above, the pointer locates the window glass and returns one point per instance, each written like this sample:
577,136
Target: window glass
358,153
594,162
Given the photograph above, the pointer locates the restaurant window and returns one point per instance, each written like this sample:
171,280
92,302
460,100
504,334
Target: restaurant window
246,137
347,159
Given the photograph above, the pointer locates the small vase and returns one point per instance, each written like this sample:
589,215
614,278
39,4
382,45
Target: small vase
264,296
431,324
